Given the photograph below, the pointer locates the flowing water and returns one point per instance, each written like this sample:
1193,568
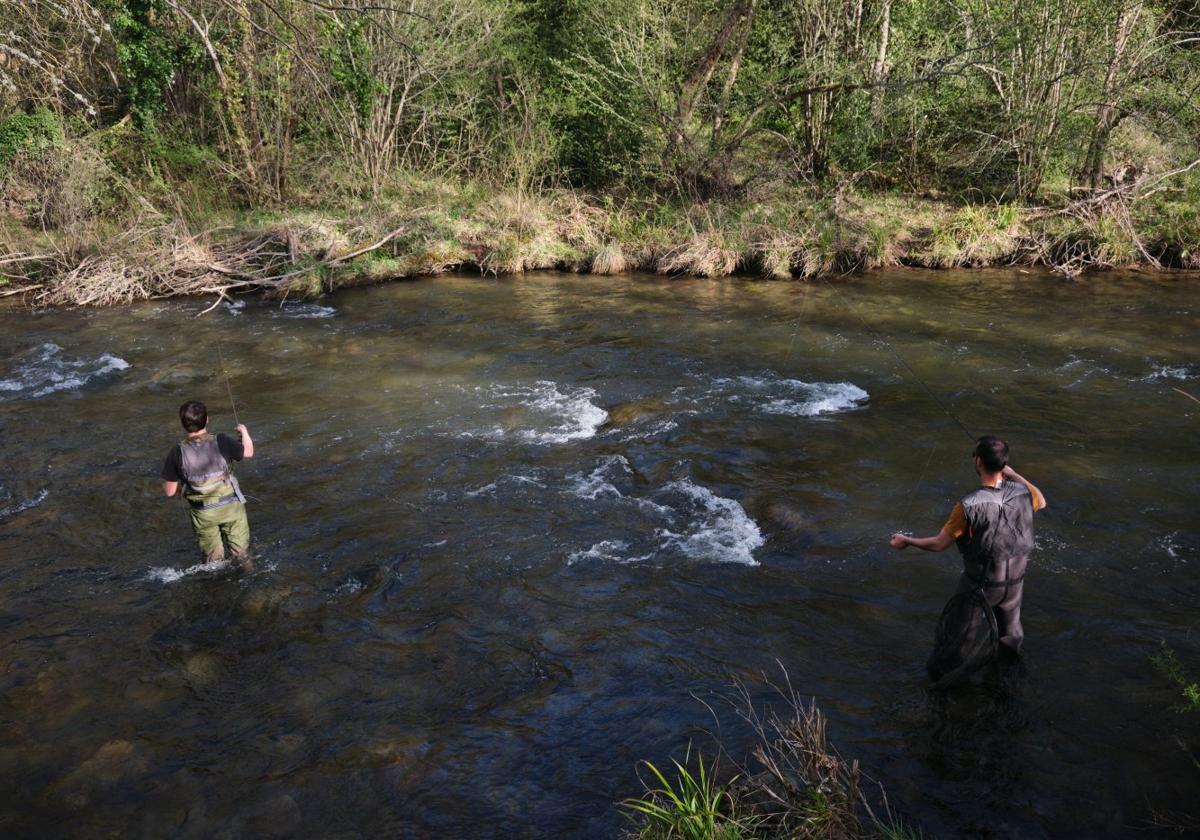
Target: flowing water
505,529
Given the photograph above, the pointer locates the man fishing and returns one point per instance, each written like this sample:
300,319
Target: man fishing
201,463
993,527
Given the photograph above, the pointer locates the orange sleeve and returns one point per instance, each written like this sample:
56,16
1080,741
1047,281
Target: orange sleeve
1039,501
957,523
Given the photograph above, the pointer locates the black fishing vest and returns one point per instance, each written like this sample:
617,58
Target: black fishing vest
998,538
208,477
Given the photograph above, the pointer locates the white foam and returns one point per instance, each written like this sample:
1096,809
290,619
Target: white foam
596,483
1171,547
658,427
13,510
306,310
610,550
350,587
771,394
719,528
166,574
823,398
577,416
548,415
691,522
485,490
490,489
1180,372
49,371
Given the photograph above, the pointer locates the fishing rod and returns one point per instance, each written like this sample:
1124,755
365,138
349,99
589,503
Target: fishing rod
228,387
232,404
945,409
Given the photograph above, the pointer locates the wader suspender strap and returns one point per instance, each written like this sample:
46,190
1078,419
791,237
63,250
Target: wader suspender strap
228,475
237,488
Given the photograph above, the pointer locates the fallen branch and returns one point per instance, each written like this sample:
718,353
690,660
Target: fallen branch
385,240
1186,394
20,290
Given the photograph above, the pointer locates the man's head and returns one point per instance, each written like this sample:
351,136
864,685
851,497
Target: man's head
991,454
193,415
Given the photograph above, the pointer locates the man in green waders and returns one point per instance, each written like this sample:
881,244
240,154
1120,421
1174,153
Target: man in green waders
202,464
993,528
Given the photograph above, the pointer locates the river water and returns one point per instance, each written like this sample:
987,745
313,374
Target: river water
505,529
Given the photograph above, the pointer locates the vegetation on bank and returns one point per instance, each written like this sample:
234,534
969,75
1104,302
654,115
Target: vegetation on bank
794,785
1167,663
96,255
155,147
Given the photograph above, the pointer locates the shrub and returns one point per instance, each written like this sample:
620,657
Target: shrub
61,186
34,132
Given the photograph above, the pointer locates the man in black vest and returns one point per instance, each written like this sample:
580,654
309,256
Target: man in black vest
202,464
993,527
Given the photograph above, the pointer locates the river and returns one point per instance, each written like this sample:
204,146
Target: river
505,529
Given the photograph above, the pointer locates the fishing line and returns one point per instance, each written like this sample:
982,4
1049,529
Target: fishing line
880,337
796,322
913,492
945,409
228,388
233,405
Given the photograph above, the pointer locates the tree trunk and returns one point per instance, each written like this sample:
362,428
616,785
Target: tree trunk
693,86
1092,171
879,66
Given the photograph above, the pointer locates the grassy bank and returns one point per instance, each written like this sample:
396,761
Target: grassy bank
66,241
792,784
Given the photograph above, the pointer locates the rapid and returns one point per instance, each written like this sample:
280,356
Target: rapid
505,529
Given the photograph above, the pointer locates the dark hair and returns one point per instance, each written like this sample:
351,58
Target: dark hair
993,452
193,415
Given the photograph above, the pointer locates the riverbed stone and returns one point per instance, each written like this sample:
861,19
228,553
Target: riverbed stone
628,413
276,815
202,669
115,762
789,516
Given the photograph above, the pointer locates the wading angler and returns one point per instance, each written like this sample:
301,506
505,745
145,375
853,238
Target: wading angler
993,529
202,465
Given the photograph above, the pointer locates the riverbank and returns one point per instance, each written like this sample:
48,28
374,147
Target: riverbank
420,228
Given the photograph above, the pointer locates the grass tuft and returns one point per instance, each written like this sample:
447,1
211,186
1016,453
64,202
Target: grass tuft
794,785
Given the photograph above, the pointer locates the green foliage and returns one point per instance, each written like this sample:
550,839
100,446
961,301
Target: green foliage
348,54
147,56
691,807
20,132
1168,664
894,828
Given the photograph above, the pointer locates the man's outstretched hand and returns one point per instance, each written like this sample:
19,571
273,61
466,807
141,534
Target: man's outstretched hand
899,542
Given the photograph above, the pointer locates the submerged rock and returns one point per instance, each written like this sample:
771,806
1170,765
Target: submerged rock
274,816
114,763
628,413
789,516
202,668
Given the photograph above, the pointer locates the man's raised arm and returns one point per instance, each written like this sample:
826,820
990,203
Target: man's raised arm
1039,500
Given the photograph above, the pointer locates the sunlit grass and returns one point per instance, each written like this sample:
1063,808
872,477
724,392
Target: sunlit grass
691,806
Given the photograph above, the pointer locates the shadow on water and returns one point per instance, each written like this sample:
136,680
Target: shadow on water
507,528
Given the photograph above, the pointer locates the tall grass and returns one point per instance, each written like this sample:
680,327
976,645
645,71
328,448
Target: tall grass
793,784
692,806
